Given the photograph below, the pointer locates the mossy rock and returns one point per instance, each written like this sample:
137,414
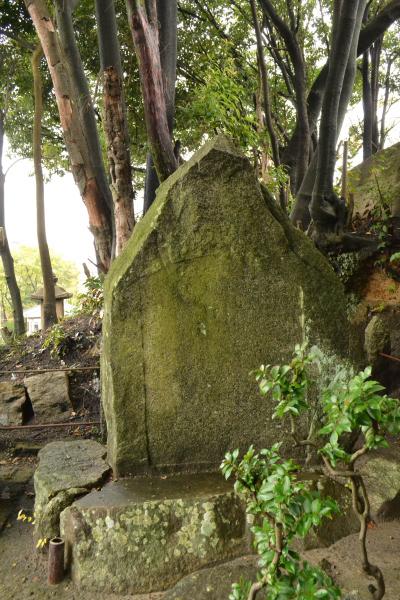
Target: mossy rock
213,283
143,534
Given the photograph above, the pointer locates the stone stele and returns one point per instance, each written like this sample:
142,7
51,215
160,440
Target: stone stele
213,283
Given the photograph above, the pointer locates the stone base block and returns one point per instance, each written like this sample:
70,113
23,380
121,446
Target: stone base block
144,534
66,470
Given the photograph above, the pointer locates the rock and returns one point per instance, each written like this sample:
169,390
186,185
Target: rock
14,406
214,583
213,283
66,470
381,472
49,394
374,179
143,534
377,339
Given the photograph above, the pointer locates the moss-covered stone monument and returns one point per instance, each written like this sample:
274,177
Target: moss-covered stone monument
213,283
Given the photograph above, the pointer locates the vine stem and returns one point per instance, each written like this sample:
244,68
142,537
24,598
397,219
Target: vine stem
259,585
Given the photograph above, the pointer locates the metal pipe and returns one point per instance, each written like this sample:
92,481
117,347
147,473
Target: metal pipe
389,356
55,571
35,371
49,425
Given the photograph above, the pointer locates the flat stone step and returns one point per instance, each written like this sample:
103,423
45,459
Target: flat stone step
140,535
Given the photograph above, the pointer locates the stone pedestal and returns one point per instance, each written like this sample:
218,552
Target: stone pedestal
144,534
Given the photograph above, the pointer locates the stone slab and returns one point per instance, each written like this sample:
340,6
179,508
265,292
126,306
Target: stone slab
143,534
214,583
213,283
49,395
66,470
13,403
381,472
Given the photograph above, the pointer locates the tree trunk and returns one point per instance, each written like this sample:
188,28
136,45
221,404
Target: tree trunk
6,256
302,133
115,123
376,50
370,33
86,164
143,21
300,215
382,136
49,312
167,21
367,107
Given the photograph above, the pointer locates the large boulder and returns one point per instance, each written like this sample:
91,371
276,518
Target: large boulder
14,406
49,394
213,282
66,470
143,534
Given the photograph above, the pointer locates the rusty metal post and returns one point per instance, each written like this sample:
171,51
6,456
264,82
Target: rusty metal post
55,573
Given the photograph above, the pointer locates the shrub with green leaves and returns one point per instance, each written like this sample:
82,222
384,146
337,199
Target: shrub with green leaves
57,341
91,302
283,506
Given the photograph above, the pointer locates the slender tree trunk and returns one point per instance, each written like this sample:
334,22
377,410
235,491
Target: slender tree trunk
143,21
367,107
75,110
382,136
301,142
6,256
115,123
49,299
167,20
376,51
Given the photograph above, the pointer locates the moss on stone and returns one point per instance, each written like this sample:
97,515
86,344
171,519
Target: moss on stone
211,285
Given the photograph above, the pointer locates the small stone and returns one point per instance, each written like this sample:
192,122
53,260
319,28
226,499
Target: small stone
14,405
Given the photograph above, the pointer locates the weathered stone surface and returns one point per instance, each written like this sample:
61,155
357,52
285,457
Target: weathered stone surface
213,282
381,472
66,470
13,403
214,583
144,534
376,180
377,339
49,394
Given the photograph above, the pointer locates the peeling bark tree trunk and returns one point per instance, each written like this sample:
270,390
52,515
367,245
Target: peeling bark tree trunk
6,256
49,298
167,21
79,144
143,23
115,123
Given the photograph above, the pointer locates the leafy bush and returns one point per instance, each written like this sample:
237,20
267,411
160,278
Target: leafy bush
91,302
283,506
57,341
